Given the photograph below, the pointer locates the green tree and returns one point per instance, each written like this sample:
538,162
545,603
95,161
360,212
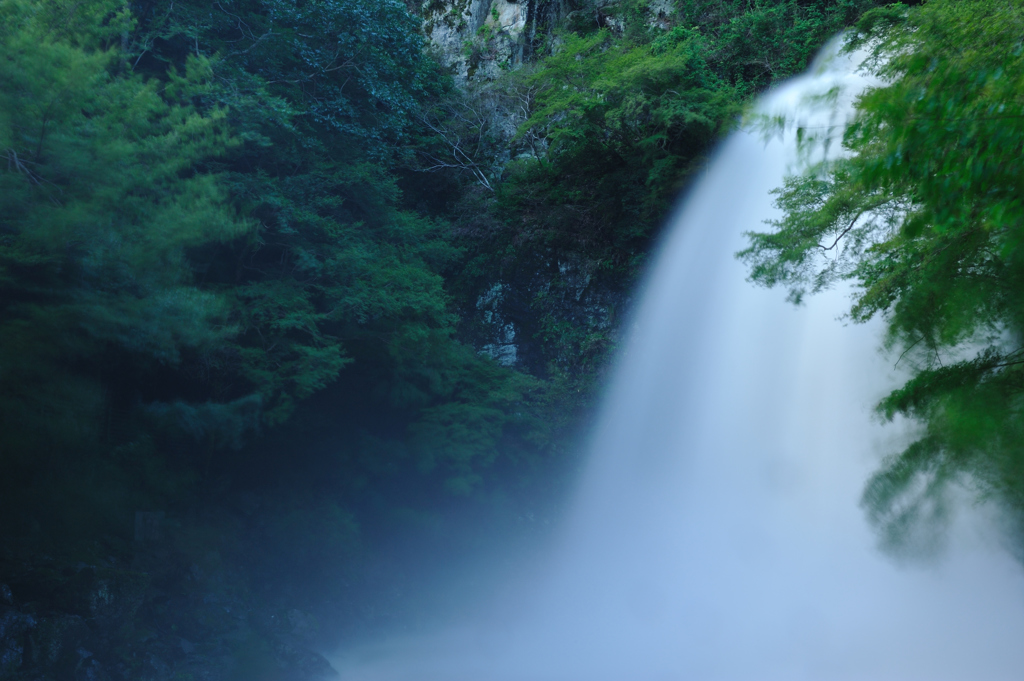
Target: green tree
320,95
629,116
339,275
617,121
99,206
624,125
925,215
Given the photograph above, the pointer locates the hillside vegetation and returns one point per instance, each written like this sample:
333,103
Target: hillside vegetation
279,292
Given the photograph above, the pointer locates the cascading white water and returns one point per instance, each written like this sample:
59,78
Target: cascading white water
717,532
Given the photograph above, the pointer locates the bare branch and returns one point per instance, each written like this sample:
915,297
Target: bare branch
850,226
15,163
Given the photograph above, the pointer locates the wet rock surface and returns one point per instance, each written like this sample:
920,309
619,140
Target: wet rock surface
153,619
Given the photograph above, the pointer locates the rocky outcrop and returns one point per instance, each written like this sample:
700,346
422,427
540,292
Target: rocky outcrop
549,315
155,619
480,39
547,311
551,309
477,38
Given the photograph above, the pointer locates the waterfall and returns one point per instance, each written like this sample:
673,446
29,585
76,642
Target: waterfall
717,532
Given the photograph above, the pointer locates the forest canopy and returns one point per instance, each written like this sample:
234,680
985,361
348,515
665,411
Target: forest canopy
214,214
202,227
280,284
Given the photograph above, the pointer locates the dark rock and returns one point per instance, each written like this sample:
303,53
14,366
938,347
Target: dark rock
14,627
149,526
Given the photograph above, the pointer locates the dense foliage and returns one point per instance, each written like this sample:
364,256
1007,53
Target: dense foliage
630,117
925,216
201,228
136,142
613,119
273,291
100,205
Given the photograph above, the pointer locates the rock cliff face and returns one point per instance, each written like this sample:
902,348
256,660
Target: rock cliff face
547,305
155,617
478,38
